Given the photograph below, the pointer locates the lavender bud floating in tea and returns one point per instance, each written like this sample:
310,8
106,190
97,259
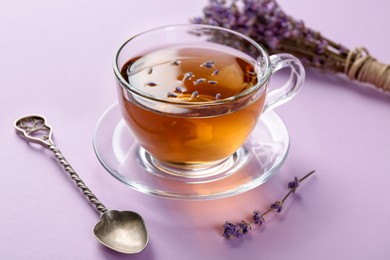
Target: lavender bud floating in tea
187,76
171,95
215,72
238,230
179,90
176,62
208,64
151,84
195,94
265,22
200,80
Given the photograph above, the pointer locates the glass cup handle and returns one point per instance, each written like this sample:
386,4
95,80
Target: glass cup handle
287,91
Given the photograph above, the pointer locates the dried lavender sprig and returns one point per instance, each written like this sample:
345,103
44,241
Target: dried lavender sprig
265,22
238,230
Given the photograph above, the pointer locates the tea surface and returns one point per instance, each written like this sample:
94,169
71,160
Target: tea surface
190,74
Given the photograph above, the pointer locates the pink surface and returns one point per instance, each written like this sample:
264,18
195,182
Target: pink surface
56,60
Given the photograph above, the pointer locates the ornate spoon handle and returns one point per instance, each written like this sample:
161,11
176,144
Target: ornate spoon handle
34,129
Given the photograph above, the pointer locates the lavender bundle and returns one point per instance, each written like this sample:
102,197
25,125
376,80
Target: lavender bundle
265,22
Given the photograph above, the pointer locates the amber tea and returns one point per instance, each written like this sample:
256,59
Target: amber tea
183,76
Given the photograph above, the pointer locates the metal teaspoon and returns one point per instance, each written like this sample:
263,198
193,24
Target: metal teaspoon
122,231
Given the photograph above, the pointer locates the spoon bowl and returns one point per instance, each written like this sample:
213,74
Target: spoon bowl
123,231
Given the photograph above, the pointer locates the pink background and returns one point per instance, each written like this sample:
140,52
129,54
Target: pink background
55,59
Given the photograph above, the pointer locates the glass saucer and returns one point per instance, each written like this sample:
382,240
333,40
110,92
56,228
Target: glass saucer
258,159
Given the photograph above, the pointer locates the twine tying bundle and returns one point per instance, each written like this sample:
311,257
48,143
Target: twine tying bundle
362,67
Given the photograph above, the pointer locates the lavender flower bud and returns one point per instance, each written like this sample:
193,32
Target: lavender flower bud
230,230
293,185
244,228
278,206
258,219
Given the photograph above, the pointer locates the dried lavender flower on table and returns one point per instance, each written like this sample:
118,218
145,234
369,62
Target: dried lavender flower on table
238,230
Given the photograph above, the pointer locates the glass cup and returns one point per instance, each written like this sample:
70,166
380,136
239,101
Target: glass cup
192,94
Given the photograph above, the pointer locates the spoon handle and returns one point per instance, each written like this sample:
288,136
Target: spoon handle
34,129
75,177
